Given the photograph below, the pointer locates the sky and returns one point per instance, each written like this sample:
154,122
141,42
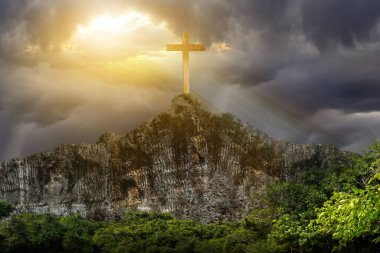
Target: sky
305,71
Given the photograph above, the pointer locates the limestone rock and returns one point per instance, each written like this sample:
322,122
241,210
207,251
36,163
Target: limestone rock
187,161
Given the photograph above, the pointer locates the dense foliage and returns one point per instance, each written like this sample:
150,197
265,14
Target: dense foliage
5,208
335,209
138,232
349,221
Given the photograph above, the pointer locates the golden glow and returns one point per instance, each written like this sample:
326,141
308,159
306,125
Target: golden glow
123,48
221,47
116,37
32,49
107,23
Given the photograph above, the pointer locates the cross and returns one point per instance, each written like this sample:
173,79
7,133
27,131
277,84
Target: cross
185,47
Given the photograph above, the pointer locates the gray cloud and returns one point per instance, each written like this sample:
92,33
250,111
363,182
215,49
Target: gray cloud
349,82
42,107
339,22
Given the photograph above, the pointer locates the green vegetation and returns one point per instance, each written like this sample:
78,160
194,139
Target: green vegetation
347,222
5,208
336,209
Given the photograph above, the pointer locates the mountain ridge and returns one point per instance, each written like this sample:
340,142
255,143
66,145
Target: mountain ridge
187,161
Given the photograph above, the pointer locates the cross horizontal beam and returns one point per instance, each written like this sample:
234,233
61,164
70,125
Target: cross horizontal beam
174,47
197,47
181,47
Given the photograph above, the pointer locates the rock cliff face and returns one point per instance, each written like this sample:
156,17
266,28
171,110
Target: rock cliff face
187,161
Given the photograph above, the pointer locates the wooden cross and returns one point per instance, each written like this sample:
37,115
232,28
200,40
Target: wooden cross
185,47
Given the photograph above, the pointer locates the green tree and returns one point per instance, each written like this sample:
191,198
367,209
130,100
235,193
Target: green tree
353,215
115,238
350,216
77,234
5,208
211,246
31,233
287,195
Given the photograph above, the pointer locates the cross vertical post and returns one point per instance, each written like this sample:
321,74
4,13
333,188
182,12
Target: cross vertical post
186,63
185,47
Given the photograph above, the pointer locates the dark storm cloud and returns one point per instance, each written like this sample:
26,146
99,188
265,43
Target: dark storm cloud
8,10
314,57
217,20
262,15
349,82
328,23
349,131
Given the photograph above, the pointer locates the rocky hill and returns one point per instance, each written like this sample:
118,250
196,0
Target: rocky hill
187,161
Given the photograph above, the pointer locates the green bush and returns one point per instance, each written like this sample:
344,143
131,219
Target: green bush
5,208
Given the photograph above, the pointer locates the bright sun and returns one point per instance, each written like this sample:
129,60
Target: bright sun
118,45
115,24
107,36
